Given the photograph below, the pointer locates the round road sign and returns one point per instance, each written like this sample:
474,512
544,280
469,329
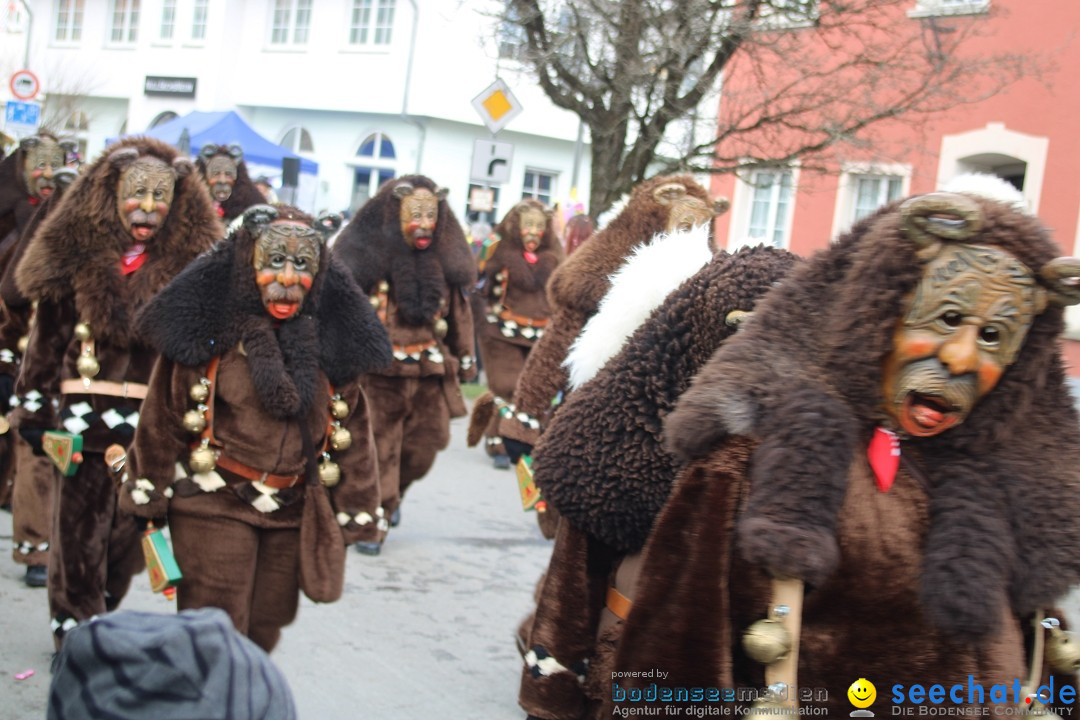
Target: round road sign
24,85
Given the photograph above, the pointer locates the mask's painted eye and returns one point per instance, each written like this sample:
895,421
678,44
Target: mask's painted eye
300,263
990,335
277,261
951,319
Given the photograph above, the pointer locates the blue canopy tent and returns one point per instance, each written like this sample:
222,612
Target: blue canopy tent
223,128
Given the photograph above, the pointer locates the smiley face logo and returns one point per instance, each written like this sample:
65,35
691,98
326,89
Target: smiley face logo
862,693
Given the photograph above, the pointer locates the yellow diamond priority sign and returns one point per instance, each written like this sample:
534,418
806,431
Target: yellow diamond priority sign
497,106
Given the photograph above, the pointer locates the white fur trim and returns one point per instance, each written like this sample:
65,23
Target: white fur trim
990,187
651,272
208,481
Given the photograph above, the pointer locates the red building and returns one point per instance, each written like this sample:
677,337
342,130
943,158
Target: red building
1027,134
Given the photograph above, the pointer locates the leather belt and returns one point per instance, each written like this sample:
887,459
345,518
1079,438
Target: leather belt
75,386
278,482
522,320
618,603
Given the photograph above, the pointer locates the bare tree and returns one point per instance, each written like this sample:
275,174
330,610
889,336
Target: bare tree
802,77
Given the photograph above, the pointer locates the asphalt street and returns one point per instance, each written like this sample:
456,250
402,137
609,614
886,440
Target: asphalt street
425,630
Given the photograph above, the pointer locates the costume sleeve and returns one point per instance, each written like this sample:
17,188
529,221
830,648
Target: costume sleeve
356,497
460,340
38,385
160,441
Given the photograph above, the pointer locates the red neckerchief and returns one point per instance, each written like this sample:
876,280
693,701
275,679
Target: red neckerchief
530,257
133,259
34,199
220,210
884,456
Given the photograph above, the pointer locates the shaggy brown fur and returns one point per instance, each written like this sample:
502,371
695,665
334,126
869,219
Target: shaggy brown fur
574,292
601,462
806,378
373,248
78,248
244,192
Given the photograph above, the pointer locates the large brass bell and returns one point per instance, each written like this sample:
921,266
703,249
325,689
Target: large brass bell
375,302
384,286
202,460
200,391
1062,648
340,438
87,366
194,421
339,408
24,342
329,473
83,332
441,328
767,641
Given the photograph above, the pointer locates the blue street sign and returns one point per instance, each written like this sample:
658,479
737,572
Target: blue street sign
21,113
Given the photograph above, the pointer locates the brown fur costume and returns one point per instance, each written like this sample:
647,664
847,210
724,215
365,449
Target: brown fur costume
71,268
413,400
601,463
244,192
32,475
929,582
503,346
271,377
575,291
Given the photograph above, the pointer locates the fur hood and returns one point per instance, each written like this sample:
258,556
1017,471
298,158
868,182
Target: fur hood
244,192
509,251
651,272
16,205
601,462
582,281
214,304
373,248
77,249
805,377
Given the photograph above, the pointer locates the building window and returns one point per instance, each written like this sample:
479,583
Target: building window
125,21
873,191
375,155
770,207
77,127
297,140
511,36
163,118
539,185
69,15
292,21
371,22
933,8
198,20
783,14
168,19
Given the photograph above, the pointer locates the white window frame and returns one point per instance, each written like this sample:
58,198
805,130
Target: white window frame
772,17
129,28
199,8
77,127
937,8
742,210
534,191
369,24
848,187
376,163
294,148
68,18
291,28
168,20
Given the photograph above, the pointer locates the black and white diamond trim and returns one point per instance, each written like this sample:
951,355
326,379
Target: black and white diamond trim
25,547
541,663
31,401
78,418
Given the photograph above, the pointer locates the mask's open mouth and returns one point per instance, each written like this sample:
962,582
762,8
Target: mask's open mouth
282,310
925,415
143,231
422,243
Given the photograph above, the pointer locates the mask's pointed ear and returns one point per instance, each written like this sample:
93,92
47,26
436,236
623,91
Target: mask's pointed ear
1062,277
236,152
939,216
123,157
208,151
31,142
258,217
327,224
720,206
442,192
183,167
64,176
403,190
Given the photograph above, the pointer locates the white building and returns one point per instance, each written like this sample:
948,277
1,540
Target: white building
369,89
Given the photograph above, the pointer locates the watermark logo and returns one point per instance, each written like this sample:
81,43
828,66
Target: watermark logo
862,694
